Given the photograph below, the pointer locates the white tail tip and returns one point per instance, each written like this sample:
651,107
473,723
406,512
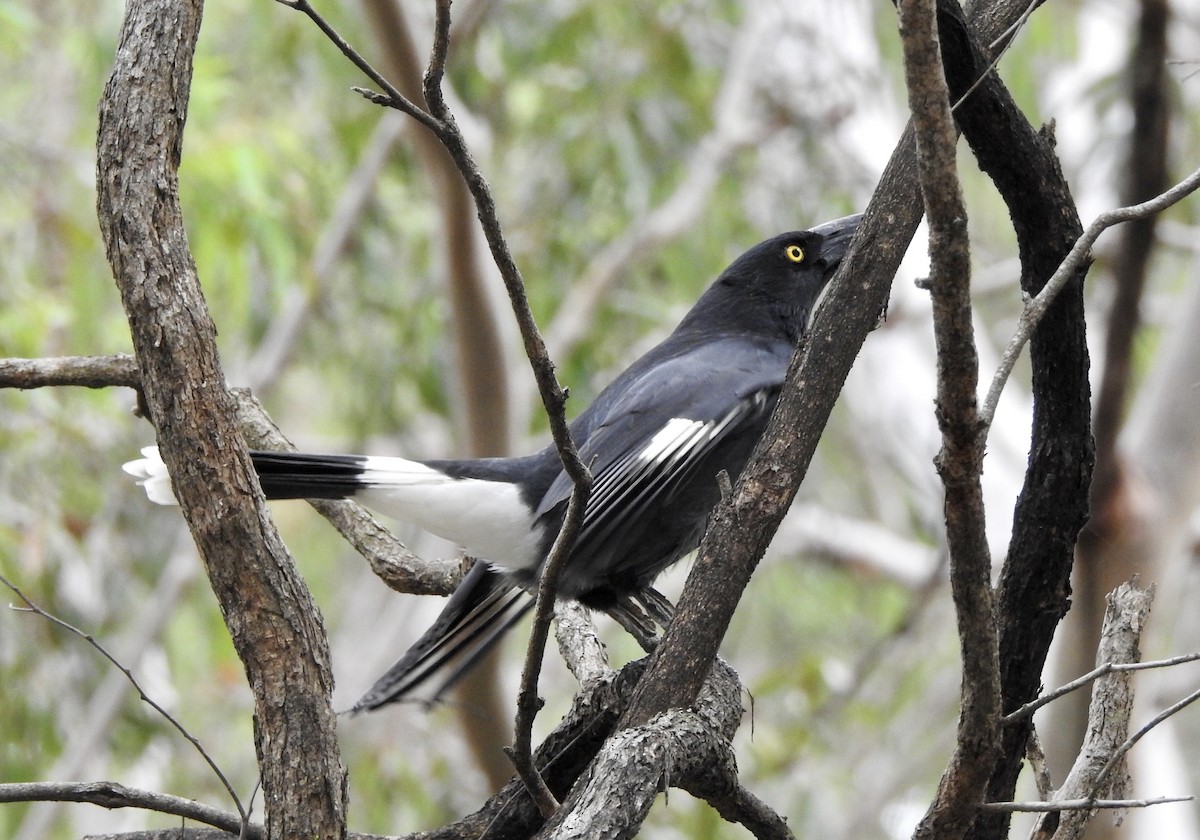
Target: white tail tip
152,474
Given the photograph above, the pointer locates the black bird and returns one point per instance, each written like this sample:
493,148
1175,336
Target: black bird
655,439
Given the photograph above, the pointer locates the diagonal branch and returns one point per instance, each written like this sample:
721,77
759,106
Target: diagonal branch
686,748
1101,671
394,97
1079,255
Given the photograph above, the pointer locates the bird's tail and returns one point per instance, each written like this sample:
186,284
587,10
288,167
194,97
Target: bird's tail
485,605
283,475
301,475
475,503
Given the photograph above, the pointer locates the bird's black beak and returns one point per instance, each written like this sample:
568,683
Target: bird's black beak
836,236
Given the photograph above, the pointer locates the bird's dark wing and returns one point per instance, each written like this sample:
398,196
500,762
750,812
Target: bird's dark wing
655,446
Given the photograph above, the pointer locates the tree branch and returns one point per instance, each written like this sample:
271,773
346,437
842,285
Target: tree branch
1103,670
1033,593
273,623
578,643
119,370
1079,805
480,377
680,748
393,96
960,461
112,795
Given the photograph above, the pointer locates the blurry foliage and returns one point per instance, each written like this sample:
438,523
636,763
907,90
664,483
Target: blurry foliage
585,115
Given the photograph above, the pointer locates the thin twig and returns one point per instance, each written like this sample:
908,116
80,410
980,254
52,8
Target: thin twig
441,121
1003,43
1137,736
528,703
1080,804
30,606
395,98
431,85
1079,682
1036,308
553,399
1002,40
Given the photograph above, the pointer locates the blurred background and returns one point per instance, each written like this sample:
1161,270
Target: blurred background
633,150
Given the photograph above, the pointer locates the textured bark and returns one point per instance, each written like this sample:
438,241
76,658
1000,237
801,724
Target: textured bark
689,749
960,460
1128,608
86,371
274,625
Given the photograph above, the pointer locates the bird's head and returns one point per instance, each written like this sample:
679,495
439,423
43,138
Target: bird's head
774,286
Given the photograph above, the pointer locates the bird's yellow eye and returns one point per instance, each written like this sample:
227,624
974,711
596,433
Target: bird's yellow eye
794,253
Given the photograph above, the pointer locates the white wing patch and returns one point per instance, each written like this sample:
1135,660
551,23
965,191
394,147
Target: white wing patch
681,436
624,489
677,436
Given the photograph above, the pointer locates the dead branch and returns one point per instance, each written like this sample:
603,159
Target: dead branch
1096,775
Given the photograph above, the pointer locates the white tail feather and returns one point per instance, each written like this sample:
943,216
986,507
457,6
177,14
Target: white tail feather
152,474
487,518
